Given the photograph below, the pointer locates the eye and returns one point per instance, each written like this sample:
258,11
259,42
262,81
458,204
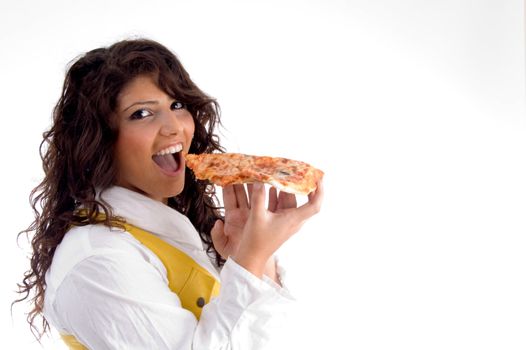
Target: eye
177,105
141,114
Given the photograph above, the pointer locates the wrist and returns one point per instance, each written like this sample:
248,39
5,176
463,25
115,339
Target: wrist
252,264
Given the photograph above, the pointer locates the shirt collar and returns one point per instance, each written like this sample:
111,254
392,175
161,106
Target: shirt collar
152,216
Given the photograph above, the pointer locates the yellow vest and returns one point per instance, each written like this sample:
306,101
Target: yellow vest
194,285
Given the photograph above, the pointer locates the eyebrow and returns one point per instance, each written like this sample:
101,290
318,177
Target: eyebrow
141,103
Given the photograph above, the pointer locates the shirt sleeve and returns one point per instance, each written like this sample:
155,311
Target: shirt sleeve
118,300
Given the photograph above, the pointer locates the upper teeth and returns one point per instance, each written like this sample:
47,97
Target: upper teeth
169,150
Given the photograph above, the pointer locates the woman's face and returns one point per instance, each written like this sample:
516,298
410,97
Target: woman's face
154,130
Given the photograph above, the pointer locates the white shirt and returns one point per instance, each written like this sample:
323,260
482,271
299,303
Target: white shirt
111,292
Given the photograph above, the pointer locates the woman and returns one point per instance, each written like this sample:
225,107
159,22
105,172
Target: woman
129,248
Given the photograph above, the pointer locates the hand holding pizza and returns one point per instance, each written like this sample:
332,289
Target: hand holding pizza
227,235
266,229
252,233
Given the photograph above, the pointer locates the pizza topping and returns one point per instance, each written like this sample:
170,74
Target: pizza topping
234,168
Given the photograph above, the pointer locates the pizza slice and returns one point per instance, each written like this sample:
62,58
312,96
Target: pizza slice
235,168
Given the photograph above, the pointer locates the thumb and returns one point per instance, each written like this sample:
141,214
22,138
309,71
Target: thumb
217,231
258,197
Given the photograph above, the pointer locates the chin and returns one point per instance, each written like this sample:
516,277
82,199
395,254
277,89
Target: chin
174,191
162,189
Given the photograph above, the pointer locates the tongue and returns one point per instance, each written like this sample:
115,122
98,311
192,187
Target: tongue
167,162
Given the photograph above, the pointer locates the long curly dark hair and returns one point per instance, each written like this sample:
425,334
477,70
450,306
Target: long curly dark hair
78,154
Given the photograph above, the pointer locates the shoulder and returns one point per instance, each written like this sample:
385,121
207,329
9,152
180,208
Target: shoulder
97,270
94,241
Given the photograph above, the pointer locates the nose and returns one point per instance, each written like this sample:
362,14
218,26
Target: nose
171,125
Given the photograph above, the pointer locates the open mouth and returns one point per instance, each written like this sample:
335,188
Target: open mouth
169,159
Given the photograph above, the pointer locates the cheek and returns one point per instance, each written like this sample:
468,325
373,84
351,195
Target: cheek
129,147
189,127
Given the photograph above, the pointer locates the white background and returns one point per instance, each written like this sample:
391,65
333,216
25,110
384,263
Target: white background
414,109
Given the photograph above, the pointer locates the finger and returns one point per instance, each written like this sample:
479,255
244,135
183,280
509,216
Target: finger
229,197
272,199
317,194
286,200
258,197
249,189
241,196
313,206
